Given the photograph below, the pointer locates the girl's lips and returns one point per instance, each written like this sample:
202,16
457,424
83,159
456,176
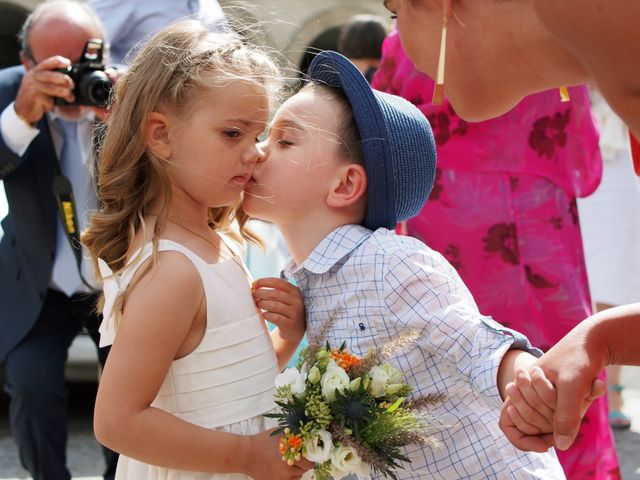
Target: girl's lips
243,179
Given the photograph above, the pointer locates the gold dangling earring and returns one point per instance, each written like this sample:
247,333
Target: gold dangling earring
438,92
564,95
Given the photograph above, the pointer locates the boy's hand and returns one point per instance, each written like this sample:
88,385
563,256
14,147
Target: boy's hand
527,414
540,442
282,305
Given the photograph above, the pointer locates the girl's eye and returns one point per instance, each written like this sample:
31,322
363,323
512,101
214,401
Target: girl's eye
231,133
285,143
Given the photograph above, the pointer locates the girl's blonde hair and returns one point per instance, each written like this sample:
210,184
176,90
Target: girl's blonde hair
168,73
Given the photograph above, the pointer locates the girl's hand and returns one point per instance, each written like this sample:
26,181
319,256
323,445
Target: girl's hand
282,305
265,461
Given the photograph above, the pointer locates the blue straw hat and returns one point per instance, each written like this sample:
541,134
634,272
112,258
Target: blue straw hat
397,143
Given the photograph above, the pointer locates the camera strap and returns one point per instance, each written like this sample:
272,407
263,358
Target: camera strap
63,191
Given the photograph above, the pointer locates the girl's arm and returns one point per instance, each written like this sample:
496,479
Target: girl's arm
283,306
160,322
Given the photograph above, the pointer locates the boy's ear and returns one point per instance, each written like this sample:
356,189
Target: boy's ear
348,187
156,134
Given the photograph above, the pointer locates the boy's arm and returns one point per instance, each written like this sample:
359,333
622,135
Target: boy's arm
282,305
423,291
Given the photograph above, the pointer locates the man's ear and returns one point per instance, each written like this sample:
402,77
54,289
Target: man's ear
156,134
348,187
25,61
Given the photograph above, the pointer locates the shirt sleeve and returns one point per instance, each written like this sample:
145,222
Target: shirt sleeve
16,133
423,291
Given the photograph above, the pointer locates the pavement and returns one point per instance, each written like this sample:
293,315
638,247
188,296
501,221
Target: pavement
85,457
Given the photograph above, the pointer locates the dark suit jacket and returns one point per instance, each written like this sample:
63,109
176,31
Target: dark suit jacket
28,246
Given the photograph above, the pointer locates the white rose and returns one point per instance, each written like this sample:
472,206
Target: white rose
334,378
345,460
381,377
293,378
318,448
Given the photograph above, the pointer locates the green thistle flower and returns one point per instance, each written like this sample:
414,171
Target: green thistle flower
354,409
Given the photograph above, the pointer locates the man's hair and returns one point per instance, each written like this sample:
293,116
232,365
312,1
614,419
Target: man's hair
362,37
44,7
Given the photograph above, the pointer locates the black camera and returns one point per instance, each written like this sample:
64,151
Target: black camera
92,85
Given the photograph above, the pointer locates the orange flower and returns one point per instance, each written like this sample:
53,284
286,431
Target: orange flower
344,359
282,447
295,442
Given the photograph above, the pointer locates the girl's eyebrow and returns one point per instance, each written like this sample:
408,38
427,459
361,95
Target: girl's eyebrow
247,123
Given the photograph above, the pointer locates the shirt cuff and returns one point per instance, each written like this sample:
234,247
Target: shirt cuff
520,341
16,133
492,343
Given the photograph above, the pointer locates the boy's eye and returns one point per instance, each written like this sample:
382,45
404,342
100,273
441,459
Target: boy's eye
393,16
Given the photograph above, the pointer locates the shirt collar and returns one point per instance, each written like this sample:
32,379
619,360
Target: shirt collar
331,250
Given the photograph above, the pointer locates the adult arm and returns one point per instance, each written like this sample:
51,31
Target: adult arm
609,337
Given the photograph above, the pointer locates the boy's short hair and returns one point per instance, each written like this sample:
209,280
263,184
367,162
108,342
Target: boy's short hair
397,143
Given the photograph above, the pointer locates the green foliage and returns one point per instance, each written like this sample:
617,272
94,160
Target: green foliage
292,416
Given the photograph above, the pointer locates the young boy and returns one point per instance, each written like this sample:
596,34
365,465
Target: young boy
342,165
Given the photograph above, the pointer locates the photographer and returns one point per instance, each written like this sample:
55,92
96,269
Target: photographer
46,296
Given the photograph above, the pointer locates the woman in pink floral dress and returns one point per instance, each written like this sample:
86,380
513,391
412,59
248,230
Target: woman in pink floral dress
503,212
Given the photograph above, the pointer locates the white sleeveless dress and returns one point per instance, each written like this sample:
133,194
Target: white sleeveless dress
227,382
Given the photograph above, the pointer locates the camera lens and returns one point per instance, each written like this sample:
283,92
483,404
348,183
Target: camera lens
94,88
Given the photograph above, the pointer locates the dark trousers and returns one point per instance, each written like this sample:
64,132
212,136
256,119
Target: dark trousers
36,383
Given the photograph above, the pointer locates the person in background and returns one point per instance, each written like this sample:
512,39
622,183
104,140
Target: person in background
46,292
610,221
361,40
503,212
130,24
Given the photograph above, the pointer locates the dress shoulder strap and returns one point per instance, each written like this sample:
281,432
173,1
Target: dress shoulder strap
115,285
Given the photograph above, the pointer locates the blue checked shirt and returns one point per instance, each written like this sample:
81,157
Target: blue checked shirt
375,285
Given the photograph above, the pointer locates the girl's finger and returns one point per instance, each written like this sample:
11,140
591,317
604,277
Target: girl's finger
275,283
276,318
275,295
275,307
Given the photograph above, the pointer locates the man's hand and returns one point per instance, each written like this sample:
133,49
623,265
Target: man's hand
39,87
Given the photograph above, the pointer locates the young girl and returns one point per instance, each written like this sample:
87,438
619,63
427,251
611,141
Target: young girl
192,366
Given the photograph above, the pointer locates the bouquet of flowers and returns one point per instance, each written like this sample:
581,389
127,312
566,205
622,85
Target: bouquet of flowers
347,414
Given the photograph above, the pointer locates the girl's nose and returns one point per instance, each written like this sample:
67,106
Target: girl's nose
263,151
